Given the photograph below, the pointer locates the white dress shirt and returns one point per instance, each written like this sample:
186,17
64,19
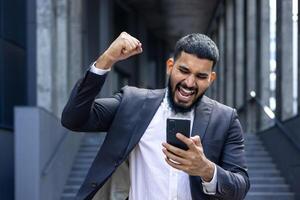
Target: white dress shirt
151,177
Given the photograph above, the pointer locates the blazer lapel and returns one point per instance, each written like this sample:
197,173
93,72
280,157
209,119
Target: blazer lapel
202,116
150,106
148,110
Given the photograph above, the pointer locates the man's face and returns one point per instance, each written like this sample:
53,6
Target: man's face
190,77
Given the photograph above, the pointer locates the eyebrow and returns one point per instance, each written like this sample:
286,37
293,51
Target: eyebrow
183,67
202,74
198,74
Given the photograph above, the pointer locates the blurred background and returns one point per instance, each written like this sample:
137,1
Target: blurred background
46,45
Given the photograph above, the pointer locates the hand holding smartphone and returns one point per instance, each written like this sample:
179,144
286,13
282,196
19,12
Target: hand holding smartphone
178,126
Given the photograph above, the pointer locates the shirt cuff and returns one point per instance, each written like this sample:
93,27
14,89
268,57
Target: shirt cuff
210,187
98,71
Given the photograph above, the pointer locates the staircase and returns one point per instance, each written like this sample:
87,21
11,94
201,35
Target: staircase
265,178
266,181
86,154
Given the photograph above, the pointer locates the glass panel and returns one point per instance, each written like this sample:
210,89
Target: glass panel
13,20
12,59
1,18
1,80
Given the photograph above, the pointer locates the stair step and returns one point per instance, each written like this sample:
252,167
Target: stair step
78,174
254,157
254,148
68,196
89,150
254,163
257,153
253,141
269,188
84,160
266,180
261,164
251,137
87,146
269,195
259,159
265,167
71,188
264,173
83,167
75,181
86,155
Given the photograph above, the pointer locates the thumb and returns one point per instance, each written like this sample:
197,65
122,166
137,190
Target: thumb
196,140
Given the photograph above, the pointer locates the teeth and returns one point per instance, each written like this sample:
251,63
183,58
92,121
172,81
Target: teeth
186,90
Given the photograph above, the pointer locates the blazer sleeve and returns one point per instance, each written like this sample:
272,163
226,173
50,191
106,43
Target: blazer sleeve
83,112
232,178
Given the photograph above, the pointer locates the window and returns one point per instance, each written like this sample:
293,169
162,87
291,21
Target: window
12,59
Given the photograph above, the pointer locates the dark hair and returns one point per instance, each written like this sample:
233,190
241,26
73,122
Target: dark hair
197,44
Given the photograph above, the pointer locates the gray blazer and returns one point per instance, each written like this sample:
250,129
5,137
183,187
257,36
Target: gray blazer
126,116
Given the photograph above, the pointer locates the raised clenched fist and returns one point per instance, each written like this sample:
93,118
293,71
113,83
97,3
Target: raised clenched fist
123,47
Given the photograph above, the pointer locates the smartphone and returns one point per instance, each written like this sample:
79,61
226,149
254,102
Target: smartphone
178,126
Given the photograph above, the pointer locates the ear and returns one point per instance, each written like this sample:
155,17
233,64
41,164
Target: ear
213,77
170,65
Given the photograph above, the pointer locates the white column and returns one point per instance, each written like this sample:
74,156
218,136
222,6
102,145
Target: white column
287,59
106,37
229,53
45,56
264,39
251,62
221,65
75,67
239,46
61,66
213,87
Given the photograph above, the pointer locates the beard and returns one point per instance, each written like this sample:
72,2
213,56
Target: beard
177,108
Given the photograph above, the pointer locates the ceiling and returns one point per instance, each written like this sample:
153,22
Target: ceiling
171,19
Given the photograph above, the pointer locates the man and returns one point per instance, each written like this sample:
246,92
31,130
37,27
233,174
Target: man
213,166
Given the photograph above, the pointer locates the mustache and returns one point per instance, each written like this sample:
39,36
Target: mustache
182,84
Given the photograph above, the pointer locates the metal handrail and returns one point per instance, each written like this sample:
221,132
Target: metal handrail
267,110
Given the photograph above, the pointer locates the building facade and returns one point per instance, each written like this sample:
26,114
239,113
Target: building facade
47,45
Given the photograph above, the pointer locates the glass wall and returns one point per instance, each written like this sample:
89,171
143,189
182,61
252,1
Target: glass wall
12,58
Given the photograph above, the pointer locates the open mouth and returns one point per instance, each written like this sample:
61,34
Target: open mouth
185,94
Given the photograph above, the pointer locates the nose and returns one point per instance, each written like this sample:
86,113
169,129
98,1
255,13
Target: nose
190,81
